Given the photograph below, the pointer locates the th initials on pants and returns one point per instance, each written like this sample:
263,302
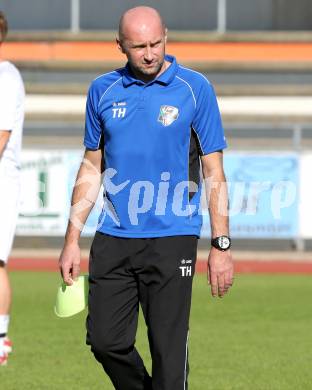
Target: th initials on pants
186,270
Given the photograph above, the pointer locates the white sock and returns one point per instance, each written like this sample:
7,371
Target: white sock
1,346
4,326
4,323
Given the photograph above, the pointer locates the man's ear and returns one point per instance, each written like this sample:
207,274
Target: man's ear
119,45
166,34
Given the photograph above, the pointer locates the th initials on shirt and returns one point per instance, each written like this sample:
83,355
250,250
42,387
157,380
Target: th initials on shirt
119,112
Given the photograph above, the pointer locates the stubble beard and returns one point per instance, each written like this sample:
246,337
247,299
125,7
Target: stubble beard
153,71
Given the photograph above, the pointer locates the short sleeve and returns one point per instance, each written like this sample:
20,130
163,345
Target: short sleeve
207,122
8,102
93,128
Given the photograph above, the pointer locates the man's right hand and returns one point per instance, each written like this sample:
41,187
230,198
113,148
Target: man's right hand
69,263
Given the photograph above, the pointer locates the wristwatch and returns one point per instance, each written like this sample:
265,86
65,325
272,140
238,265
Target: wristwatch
223,243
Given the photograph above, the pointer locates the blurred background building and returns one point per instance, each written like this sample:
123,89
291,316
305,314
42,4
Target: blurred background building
206,15
257,54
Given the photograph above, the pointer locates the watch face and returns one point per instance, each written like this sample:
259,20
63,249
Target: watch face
224,242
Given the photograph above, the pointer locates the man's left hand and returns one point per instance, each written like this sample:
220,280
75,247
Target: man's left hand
220,272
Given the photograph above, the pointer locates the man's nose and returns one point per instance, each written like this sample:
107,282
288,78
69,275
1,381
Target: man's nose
148,53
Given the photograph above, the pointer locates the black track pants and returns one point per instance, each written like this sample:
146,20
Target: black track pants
158,274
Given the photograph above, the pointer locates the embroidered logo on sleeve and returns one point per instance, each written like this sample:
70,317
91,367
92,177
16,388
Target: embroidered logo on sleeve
167,115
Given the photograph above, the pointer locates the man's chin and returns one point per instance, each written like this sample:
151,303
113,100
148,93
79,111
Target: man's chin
149,71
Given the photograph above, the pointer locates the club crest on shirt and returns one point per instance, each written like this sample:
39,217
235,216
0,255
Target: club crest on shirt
167,115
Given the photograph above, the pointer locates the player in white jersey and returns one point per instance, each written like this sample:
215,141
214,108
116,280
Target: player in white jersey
11,126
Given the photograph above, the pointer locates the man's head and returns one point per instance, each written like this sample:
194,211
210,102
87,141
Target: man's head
142,37
3,27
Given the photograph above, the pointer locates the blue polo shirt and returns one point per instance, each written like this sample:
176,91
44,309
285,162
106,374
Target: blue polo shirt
152,135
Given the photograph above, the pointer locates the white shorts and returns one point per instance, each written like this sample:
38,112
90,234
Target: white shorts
9,208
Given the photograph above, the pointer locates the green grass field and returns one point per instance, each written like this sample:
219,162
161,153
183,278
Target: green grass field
258,337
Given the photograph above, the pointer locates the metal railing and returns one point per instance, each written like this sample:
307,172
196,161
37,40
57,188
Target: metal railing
75,16
221,18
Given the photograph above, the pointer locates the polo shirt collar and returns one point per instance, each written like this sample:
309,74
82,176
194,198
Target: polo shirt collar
165,78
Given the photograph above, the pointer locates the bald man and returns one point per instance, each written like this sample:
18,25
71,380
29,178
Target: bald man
150,124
